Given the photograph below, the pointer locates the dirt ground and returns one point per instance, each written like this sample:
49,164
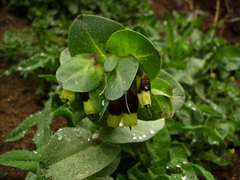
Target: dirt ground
18,97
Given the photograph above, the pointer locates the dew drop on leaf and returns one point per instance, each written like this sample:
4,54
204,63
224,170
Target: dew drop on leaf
59,136
95,135
152,131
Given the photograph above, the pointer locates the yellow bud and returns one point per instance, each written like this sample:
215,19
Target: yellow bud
143,90
89,107
67,95
130,119
231,151
113,120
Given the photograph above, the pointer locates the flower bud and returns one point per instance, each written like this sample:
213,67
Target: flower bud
67,96
130,109
88,105
130,119
115,109
143,90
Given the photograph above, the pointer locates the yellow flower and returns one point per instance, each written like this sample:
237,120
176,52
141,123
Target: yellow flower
88,105
143,90
67,96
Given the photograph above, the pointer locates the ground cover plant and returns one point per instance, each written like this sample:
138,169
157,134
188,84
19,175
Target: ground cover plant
204,130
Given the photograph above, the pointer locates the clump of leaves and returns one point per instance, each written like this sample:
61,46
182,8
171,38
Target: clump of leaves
99,72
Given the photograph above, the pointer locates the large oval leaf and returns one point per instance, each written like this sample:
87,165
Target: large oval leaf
84,163
80,73
166,106
178,97
161,87
143,131
127,42
71,155
65,142
65,56
89,34
120,80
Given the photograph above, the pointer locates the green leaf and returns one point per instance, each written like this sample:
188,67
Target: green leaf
154,112
98,98
228,57
120,80
161,141
205,130
135,174
143,131
126,42
43,134
31,176
49,77
166,106
83,163
22,128
111,62
178,97
89,34
22,159
80,74
65,56
64,143
161,87
210,156
63,111
201,171
109,169
170,32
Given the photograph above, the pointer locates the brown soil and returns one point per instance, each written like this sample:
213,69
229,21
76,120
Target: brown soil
18,97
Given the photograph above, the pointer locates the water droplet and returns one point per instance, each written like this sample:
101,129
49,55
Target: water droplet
95,135
184,178
178,166
144,136
134,137
152,131
194,109
140,137
19,68
121,124
103,102
59,136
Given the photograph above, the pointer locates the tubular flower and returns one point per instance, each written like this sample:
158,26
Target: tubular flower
143,90
115,112
130,109
88,105
67,96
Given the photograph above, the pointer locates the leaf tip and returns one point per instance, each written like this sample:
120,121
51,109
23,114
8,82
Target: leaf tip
79,18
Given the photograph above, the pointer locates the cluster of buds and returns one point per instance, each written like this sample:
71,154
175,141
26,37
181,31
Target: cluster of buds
88,106
125,108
